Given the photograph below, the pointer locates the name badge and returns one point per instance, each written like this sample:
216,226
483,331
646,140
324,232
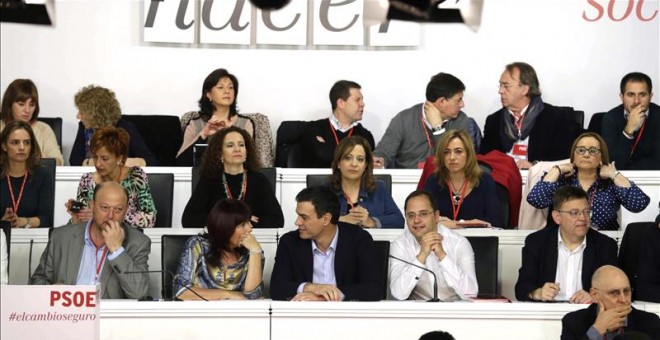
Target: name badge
519,150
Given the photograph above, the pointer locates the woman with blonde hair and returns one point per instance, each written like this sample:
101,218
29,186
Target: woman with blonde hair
465,195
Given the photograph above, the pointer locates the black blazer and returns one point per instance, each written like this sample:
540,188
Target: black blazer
648,269
551,138
356,269
319,154
575,325
647,154
539,259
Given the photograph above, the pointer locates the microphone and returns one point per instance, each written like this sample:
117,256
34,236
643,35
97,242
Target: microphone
435,278
149,298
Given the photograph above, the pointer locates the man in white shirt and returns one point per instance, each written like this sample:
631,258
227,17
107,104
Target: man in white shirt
428,244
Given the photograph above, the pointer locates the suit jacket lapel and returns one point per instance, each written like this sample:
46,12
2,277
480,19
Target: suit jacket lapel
307,259
341,255
75,245
553,256
588,261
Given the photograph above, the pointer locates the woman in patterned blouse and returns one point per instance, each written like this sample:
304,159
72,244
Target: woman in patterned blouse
227,262
590,169
109,149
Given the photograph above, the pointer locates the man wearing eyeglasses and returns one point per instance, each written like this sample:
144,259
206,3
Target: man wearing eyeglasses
611,314
102,250
526,128
632,129
428,244
558,261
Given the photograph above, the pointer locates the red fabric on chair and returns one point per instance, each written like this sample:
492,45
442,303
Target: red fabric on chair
429,167
506,173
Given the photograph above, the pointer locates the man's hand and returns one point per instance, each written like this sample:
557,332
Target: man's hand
547,292
113,234
611,319
636,118
430,242
432,113
580,296
307,297
326,291
379,162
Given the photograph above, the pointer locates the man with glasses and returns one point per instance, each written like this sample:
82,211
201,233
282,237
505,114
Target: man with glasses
426,243
526,128
611,315
632,129
558,261
102,250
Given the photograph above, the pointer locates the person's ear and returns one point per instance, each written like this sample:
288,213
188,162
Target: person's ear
556,216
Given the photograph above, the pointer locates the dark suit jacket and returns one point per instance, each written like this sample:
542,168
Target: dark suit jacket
319,154
575,325
647,154
550,140
356,265
60,263
539,259
648,269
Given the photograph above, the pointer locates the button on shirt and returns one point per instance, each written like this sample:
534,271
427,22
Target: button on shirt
91,259
569,269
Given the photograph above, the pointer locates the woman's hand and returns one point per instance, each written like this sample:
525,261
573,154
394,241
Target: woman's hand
10,216
608,171
361,217
249,241
567,169
212,126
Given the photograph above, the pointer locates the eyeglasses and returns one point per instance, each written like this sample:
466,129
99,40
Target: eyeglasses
576,213
616,293
506,86
106,209
421,214
580,150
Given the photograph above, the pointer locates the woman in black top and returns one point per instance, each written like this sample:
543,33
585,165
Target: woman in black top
229,171
26,188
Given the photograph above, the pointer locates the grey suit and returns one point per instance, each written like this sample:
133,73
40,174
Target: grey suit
60,263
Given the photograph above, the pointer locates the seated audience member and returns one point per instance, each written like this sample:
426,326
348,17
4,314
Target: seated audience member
526,128
109,150
104,250
462,192
226,263
558,261
414,132
4,259
229,170
648,269
98,108
322,136
363,200
324,260
24,184
591,170
437,335
21,102
611,315
217,110
632,129
430,245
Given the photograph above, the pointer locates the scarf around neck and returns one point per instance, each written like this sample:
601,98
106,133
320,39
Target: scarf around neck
509,131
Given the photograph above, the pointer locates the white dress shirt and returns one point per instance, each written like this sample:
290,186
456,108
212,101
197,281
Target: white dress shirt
455,273
569,269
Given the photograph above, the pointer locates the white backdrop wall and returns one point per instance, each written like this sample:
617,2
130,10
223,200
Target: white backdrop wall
579,62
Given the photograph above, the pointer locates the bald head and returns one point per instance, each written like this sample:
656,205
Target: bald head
610,287
110,187
607,273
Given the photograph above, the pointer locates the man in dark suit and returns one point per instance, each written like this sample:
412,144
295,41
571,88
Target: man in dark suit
551,257
648,269
631,130
324,260
612,313
527,128
102,250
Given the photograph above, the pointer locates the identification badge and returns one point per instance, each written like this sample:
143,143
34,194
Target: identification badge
519,150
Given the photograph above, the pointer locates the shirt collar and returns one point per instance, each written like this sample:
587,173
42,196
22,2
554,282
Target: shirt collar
333,244
522,112
88,238
560,243
337,125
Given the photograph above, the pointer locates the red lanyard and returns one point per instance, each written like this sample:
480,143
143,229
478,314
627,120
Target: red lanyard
519,124
639,136
332,128
428,138
242,194
99,265
14,201
348,199
456,207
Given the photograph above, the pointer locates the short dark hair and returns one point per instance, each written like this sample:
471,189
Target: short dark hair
567,193
19,90
342,90
114,140
323,199
527,77
437,335
443,85
636,77
421,193
206,107
221,223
